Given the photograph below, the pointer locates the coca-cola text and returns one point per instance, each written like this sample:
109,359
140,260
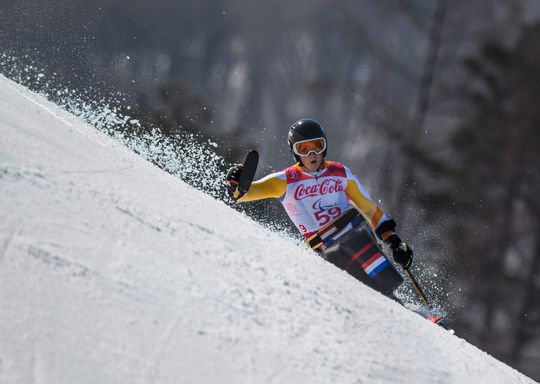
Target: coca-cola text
327,186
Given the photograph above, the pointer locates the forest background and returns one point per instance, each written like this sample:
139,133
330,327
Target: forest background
432,103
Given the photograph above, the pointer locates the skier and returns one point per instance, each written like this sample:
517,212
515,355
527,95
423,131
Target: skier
329,206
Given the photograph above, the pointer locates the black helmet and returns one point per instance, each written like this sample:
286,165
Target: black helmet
305,129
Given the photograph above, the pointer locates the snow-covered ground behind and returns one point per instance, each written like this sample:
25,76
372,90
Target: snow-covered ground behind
113,271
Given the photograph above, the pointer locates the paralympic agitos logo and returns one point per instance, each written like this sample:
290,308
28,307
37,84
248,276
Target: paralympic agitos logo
327,186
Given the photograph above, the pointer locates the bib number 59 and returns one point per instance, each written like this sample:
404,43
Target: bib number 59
324,217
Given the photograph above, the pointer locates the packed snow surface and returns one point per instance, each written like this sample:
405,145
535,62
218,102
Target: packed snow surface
113,271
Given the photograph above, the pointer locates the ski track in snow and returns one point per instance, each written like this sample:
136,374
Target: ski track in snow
112,271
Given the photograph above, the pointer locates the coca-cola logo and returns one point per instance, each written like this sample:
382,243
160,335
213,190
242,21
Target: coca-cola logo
327,186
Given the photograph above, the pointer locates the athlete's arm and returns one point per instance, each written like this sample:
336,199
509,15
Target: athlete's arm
361,199
271,186
383,226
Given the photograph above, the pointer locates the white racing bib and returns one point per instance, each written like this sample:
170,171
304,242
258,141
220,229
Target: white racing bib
314,200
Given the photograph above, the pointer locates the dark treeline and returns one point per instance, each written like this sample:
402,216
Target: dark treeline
431,103
497,187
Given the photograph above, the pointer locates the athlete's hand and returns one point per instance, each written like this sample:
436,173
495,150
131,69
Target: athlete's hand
403,253
232,179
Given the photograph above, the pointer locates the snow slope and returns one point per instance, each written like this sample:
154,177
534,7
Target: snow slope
112,271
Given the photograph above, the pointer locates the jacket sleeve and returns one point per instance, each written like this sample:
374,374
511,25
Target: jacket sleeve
271,186
375,216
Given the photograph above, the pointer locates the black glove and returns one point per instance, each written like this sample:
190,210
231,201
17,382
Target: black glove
403,253
232,179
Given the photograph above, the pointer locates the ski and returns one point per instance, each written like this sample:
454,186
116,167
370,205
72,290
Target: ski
440,321
433,316
248,173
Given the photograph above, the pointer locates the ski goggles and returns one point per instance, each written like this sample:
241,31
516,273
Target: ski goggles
305,147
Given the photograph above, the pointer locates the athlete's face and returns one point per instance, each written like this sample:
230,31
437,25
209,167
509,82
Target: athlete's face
312,162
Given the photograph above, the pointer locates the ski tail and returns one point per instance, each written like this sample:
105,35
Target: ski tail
432,315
